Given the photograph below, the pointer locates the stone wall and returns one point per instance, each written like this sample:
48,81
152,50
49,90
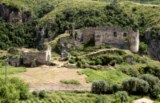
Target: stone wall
116,37
32,59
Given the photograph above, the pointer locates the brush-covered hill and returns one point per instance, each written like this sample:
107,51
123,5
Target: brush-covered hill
57,16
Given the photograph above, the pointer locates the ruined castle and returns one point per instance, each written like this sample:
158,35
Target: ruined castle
116,37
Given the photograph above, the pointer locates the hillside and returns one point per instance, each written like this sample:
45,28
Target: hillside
79,51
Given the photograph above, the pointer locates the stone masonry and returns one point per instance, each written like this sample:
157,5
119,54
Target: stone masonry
116,37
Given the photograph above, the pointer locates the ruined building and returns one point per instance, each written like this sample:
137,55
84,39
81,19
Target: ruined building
32,59
116,37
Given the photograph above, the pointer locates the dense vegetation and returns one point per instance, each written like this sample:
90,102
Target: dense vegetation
60,15
13,35
118,73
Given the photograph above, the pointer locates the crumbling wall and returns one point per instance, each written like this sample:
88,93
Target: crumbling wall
33,59
116,37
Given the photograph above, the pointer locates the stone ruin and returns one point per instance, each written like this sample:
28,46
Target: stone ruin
31,59
116,37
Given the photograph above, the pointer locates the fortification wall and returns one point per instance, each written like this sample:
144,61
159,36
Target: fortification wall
116,37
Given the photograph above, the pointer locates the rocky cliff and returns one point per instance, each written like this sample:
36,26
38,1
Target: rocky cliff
14,15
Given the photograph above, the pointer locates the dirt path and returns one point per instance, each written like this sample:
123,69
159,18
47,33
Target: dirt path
48,78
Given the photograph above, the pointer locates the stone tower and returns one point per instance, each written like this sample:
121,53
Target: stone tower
48,53
134,41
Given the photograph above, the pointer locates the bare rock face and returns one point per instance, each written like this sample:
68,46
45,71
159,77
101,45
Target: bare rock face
154,49
13,15
154,45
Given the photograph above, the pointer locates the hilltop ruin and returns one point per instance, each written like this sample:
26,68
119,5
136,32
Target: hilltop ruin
116,37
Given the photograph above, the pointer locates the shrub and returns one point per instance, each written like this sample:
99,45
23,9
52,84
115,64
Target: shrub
100,87
152,69
9,94
116,87
135,86
80,64
152,80
42,94
130,71
143,48
100,99
35,93
21,87
72,81
122,96
72,61
155,92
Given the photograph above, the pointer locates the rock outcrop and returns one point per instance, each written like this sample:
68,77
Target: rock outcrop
154,49
153,44
14,15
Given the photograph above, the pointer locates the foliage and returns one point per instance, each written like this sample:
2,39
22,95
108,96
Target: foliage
54,42
9,94
135,86
13,91
116,87
13,35
100,99
143,48
152,80
122,96
21,87
42,94
152,69
11,70
130,71
100,87
110,58
72,81
112,76
155,93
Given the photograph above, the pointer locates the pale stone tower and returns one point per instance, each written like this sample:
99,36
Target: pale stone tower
134,41
48,53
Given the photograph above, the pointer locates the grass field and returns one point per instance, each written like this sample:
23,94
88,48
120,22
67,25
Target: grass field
112,76
11,70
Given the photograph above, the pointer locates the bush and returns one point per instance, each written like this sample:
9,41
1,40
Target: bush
152,80
130,71
116,87
35,93
155,92
100,99
100,87
9,93
121,96
42,94
80,64
72,81
135,86
21,87
143,48
14,90
152,69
